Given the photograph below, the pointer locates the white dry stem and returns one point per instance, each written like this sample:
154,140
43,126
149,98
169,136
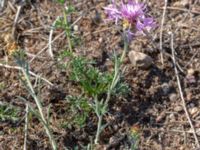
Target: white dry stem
50,37
42,50
181,94
161,32
51,34
26,127
2,4
30,72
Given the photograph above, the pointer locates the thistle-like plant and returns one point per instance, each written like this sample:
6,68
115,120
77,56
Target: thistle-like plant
133,18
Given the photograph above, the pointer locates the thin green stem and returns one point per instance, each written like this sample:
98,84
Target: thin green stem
117,70
100,117
98,129
39,106
67,30
112,86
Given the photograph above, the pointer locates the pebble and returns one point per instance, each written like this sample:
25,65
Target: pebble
190,71
165,88
140,60
178,108
76,28
193,111
173,97
172,117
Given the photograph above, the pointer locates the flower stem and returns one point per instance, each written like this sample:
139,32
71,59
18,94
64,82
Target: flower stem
67,30
98,129
112,86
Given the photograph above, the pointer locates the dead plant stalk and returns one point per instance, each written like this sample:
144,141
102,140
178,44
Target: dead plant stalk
181,92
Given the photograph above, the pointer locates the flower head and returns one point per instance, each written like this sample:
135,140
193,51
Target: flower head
132,15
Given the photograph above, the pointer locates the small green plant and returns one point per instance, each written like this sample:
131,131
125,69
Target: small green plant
133,137
92,81
64,23
2,85
79,109
9,113
24,67
96,83
63,59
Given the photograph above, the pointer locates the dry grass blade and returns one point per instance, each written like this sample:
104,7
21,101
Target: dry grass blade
26,127
31,73
181,93
161,32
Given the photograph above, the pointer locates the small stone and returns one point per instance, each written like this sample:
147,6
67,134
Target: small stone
172,117
190,72
75,28
173,97
100,40
140,60
166,88
178,108
193,111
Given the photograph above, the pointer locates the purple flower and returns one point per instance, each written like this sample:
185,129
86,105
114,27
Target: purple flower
132,15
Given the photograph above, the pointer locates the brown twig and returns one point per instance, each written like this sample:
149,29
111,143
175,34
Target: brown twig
167,131
181,93
181,9
98,31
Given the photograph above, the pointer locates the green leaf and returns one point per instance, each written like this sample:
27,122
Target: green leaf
61,1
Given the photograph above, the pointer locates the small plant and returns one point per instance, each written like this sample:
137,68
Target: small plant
63,59
2,85
132,16
8,113
96,83
79,110
92,81
134,137
64,24
20,59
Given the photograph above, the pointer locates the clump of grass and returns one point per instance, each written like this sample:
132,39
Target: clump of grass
9,113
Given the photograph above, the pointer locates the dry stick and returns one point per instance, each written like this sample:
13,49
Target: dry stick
181,9
51,34
98,31
26,127
47,46
181,93
192,58
50,37
161,32
53,40
30,72
16,20
166,130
